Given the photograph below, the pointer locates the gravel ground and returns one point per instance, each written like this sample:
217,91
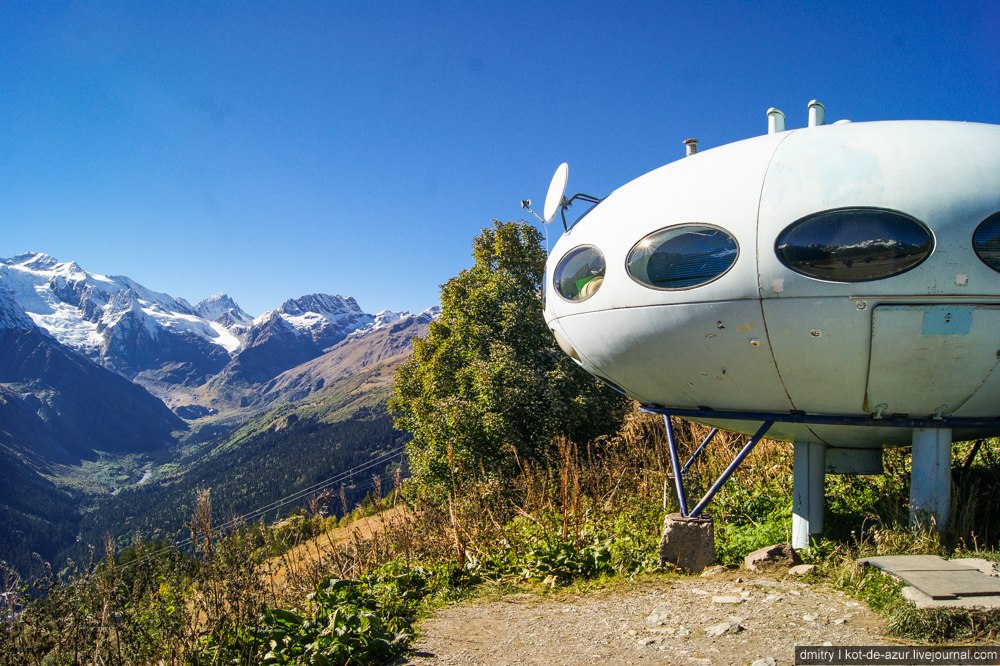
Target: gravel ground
734,617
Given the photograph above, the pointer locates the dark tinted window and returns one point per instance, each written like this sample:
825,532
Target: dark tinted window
986,241
580,273
682,257
854,244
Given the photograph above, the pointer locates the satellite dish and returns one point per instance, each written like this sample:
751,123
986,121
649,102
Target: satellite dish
557,192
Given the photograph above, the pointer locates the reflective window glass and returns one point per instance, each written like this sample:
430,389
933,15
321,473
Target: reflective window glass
580,273
854,244
986,241
682,257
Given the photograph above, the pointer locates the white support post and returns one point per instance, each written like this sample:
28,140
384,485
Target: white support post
808,480
930,478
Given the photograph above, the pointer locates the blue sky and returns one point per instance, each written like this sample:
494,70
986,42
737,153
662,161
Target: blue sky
274,149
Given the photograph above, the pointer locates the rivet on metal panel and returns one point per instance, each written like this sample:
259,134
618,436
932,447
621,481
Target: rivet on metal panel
816,333
754,342
862,305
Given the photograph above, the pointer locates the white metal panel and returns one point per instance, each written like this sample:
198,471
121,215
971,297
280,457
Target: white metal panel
928,359
655,343
720,187
806,335
854,461
698,354
945,174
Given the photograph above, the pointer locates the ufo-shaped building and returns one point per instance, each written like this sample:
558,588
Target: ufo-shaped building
840,282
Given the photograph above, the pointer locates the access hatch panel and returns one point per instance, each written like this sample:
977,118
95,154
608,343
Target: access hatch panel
929,360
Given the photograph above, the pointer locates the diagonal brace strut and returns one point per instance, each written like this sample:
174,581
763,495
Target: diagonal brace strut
679,472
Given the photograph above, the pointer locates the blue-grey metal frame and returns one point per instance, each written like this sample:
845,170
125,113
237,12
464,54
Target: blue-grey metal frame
768,419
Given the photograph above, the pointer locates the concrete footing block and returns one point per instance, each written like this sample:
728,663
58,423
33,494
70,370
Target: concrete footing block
688,543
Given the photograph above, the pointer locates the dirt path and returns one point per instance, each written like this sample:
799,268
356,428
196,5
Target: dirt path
730,618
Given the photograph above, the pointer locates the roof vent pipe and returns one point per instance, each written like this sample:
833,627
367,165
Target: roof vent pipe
817,114
692,147
775,121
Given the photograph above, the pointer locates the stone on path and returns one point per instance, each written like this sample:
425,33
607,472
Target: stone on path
723,628
727,599
768,557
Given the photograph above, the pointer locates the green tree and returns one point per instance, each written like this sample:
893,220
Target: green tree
488,387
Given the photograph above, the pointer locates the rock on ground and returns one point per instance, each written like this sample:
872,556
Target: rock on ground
769,557
658,620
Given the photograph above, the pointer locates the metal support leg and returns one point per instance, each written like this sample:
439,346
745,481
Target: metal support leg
697,452
696,511
930,478
675,465
808,480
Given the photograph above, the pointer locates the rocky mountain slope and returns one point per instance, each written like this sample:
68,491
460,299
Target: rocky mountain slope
313,422
380,346
297,331
59,409
90,363
199,359
57,406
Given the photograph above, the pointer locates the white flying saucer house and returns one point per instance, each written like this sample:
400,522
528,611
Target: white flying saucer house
836,286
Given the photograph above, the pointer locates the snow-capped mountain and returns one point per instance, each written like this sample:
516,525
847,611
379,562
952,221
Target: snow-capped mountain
58,405
161,341
12,315
222,309
389,317
326,319
376,350
294,333
117,321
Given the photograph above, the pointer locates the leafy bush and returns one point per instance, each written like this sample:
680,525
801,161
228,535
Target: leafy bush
736,539
344,622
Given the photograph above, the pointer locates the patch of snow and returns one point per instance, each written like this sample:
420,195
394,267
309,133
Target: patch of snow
225,337
65,324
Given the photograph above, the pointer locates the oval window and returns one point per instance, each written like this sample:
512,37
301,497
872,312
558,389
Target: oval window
986,241
854,244
580,273
682,257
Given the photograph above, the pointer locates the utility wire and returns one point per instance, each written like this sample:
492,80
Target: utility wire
260,511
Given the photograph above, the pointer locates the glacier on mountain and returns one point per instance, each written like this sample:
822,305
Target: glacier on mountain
155,338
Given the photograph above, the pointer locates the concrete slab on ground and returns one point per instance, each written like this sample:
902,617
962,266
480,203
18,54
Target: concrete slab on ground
939,583
894,563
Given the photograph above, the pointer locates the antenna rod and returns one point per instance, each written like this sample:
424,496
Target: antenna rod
526,205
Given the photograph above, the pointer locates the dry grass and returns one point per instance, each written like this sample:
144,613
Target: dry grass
309,560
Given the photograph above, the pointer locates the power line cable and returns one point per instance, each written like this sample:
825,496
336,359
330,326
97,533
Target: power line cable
292,497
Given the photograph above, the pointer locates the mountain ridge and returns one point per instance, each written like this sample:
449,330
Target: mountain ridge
109,387
177,351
